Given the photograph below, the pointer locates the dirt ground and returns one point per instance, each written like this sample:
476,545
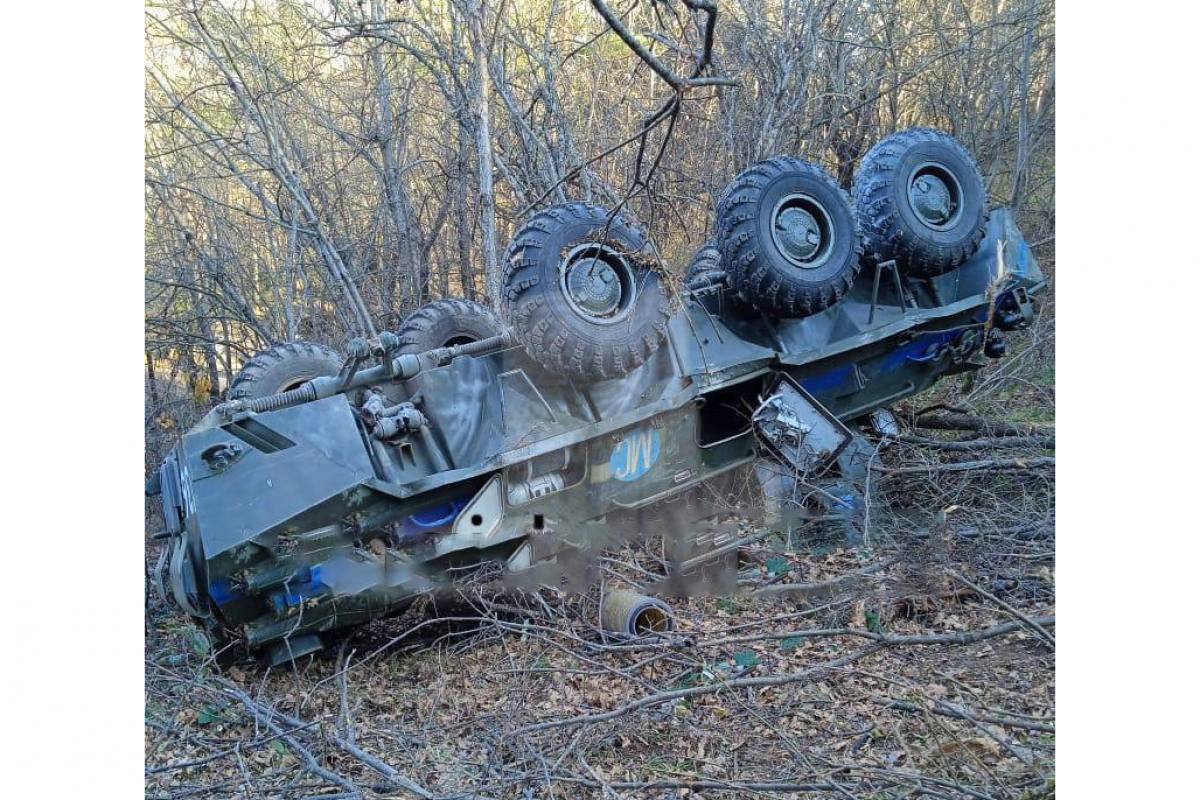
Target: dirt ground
906,685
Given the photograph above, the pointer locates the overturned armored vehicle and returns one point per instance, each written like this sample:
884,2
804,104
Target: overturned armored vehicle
604,402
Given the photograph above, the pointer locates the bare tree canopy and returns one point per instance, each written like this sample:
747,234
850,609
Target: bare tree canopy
318,170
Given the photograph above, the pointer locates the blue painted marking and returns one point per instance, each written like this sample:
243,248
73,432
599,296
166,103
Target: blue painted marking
222,592
438,515
921,350
827,381
634,455
432,519
294,594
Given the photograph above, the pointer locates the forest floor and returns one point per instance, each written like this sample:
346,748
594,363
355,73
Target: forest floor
921,664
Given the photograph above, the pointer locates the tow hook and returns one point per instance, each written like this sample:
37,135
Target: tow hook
1014,310
995,346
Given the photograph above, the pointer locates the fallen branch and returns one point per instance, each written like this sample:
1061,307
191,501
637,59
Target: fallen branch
270,714
267,717
969,637
990,464
879,642
1000,737
696,691
1026,531
822,588
239,748
896,774
1038,629
953,421
344,693
965,637
743,786
993,443
961,712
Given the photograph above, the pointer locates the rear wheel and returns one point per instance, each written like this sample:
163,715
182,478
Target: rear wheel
283,367
581,293
446,323
789,237
922,202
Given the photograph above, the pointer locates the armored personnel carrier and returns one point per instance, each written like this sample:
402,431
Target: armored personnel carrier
607,399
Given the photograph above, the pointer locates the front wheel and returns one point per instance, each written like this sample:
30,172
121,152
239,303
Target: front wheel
283,367
446,323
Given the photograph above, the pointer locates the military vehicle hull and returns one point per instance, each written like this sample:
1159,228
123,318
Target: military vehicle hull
291,523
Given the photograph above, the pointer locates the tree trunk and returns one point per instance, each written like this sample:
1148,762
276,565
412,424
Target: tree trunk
407,237
151,382
483,146
1022,158
464,226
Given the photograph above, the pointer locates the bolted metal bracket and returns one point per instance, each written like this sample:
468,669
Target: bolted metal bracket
895,270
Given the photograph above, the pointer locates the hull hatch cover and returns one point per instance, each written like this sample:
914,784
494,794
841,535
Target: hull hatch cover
797,430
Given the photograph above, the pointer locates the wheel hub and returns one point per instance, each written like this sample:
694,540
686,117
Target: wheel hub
594,287
598,283
801,230
934,196
799,234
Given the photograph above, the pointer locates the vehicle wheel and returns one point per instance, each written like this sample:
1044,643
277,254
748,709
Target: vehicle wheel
789,236
282,367
705,268
582,295
445,323
922,202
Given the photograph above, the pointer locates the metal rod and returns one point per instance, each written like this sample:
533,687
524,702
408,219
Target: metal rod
402,367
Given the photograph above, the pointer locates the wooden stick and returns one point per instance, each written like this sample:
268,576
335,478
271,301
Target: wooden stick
1038,629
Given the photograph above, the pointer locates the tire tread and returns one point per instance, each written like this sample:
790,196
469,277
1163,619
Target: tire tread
885,234
750,272
523,303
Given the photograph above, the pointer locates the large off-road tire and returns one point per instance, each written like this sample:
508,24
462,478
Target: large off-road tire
705,267
445,323
789,237
706,270
283,367
582,295
922,202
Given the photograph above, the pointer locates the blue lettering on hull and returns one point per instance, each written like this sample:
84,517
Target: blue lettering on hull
634,455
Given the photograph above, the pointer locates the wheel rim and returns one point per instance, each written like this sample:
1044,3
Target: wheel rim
802,231
935,196
598,283
459,339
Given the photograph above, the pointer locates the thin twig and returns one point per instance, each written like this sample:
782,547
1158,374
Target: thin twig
1034,626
